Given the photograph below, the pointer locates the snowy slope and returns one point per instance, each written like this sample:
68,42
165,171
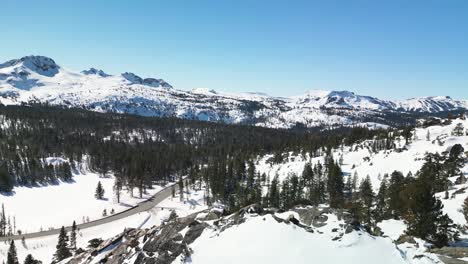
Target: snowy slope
43,248
40,79
264,240
432,104
56,205
362,160
254,237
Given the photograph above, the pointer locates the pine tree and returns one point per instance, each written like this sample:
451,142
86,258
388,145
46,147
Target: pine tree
426,219
62,247
31,260
407,134
381,206
12,257
99,194
308,174
73,237
285,198
354,182
349,189
320,189
465,209
455,161
117,189
366,196
395,187
6,180
3,222
335,185
274,194
458,131
181,189
295,190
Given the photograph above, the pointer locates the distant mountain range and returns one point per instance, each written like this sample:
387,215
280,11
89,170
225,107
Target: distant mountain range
38,79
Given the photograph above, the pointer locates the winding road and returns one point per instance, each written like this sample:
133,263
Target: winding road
142,207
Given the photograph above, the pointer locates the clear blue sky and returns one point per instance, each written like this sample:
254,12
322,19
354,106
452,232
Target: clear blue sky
391,49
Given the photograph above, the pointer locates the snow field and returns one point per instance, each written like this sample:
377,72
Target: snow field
53,206
43,248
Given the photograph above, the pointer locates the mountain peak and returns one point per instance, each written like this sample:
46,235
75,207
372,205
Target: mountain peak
153,82
39,64
94,71
131,77
329,93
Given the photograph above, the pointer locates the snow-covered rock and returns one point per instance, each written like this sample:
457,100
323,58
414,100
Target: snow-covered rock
251,237
94,71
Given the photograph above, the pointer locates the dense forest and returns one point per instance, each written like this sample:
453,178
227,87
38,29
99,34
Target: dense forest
138,150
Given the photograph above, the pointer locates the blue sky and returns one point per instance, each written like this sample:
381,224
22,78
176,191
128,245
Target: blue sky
390,49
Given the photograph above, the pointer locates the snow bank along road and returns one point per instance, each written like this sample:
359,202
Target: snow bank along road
142,207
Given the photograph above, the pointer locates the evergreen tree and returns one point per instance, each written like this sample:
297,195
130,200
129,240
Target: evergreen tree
434,172
455,160
335,185
465,208
73,237
354,182
320,184
3,221
426,219
181,188
285,198
117,189
395,203
31,260
6,180
458,131
295,190
349,188
99,194
274,194
366,196
12,257
308,174
407,134
62,251
381,206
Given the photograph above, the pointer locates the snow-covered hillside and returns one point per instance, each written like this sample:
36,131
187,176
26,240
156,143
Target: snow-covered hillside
43,248
253,235
361,160
39,79
56,205
265,240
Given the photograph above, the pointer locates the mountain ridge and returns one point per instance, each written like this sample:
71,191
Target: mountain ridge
38,79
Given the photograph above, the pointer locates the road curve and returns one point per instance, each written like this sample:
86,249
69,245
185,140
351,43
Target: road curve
141,207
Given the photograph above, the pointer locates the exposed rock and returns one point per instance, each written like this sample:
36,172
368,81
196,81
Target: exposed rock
210,216
406,239
448,260
195,230
317,216
454,252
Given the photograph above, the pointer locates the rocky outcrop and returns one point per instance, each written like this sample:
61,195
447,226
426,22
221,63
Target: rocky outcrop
453,252
160,244
317,216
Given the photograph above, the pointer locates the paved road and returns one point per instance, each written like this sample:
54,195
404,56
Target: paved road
142,207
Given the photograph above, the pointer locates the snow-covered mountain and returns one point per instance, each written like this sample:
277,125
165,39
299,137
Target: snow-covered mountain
38,79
